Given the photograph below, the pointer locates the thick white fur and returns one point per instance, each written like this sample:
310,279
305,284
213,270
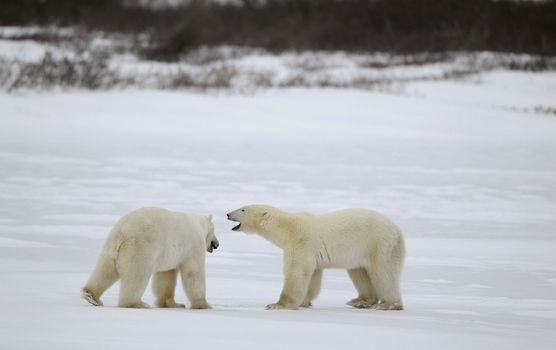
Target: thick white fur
365,243
155,241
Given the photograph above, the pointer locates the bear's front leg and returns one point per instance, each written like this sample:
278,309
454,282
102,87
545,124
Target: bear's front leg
298,272
314,289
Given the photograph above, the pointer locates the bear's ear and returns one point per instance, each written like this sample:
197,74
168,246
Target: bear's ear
209,217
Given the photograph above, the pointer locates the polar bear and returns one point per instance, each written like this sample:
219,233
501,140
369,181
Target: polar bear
365,243
154,241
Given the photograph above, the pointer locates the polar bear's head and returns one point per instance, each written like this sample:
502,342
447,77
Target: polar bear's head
251,218
211,240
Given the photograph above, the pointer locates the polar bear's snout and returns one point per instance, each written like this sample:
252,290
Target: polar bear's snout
213,245
236,216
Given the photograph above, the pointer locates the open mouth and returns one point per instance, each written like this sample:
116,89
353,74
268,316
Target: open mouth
235,228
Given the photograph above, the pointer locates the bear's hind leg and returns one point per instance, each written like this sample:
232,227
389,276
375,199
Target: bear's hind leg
164,286
103,276
135,271
133,285
193,279
362,282
314,288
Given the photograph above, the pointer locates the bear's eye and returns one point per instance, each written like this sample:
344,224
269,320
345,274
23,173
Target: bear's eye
243,210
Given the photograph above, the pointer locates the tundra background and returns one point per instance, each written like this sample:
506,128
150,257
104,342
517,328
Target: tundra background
440,114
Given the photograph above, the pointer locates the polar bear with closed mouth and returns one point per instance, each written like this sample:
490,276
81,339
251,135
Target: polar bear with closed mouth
365,243
158,242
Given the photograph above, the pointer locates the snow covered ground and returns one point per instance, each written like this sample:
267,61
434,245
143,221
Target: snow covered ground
465,168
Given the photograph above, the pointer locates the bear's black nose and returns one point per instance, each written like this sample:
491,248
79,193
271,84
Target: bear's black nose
228,215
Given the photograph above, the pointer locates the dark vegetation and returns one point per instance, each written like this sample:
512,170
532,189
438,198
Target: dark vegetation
90,73
399,26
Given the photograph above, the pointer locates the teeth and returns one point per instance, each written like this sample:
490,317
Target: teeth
236,227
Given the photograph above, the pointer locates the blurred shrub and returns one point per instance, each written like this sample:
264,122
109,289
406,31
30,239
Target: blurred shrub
226,70
83,72
216,77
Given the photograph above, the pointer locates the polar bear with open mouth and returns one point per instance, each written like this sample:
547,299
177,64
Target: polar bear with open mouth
365,243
